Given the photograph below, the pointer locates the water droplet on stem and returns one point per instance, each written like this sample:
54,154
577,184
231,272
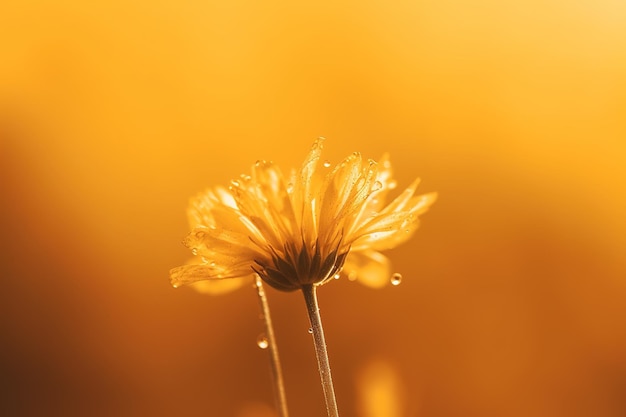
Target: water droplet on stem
262,342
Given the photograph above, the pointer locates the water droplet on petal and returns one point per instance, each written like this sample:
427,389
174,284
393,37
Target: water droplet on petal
200,235
262,342
194,251
326,164
377,186
311,330
396,279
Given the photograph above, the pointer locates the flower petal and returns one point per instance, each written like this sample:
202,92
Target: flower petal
344,194
304,191
272,185
221,242
220,286
388,230
188,274
200,212
369,267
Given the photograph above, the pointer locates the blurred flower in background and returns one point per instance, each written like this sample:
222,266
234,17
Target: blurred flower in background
113,113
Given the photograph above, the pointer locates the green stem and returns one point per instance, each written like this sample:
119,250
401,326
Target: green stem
275,369
310,297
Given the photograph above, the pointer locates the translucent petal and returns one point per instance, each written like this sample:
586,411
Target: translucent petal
220,286
400,201
369,267
366,187
272,185
230,246
201,206
385,240
338,188
388,230
377,198
344,194
305,191
188,274
267,204
216,286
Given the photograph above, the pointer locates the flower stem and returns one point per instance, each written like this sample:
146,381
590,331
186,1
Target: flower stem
310,297
275,369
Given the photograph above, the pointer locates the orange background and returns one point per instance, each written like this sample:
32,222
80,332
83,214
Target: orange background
112,114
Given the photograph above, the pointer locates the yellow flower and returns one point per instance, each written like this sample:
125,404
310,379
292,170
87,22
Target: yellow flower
304,229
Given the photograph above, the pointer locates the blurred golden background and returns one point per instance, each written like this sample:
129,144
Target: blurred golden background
113,114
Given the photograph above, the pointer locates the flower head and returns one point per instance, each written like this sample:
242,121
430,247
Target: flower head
304,229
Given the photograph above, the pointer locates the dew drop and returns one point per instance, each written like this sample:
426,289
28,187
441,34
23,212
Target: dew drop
337,276
377,186
194,251
200,235
310,330
396,279
235,183
262,342
326,164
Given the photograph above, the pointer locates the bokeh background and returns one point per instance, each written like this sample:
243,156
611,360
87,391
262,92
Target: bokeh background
112,114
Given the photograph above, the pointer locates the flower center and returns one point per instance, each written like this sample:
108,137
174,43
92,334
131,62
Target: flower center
299,265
